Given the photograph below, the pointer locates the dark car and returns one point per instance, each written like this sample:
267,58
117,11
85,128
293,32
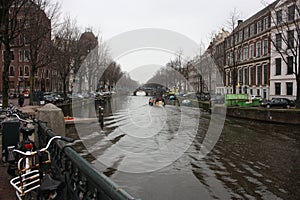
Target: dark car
52,98
74,97
278,102
12,95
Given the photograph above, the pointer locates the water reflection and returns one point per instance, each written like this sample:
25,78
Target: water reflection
252,160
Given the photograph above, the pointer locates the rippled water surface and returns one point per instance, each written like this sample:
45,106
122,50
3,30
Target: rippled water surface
154,153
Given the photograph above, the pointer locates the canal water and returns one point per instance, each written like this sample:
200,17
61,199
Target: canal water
157,153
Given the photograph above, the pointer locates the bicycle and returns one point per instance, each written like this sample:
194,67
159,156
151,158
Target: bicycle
32,180
25,144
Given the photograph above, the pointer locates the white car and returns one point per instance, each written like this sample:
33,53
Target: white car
253,97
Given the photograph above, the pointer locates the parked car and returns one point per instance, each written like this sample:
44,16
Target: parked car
74,97
12,95
278,102
52,98
253,97
218,99
186,102
26,93
190,95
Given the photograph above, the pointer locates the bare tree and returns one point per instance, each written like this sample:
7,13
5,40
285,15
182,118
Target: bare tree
233,50
111,75
63,48
38,36
11,25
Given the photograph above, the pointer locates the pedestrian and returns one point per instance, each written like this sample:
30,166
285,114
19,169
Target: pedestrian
21,100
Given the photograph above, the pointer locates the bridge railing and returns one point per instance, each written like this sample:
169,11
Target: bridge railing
82,180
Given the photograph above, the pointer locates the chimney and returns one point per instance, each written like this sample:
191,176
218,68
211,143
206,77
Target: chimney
240,21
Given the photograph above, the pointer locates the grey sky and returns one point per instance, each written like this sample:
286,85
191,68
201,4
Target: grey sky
196,19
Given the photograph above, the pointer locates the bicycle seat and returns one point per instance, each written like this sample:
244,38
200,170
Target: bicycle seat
27,131
49,184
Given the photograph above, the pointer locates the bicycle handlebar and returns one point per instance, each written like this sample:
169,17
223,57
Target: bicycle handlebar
22,120
45,148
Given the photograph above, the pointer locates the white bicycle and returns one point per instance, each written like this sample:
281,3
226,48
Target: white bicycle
32,181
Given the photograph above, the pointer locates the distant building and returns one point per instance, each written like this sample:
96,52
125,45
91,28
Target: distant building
20,66
247,52
216,50
285,39
85,79
206,70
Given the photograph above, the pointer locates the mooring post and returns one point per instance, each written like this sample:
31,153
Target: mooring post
101,115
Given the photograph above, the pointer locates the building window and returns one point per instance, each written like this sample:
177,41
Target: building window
26,71
231,58
20,71
291,12
245,52
246,76
289,88
290,35
278,66
277,88
240,75
241,36
278,42
279,16
11,71
290,65
258,27
240,55
227,78
236,38
252,76
258,75
20,56
11,55
228,59
251,30
246,33
265,23
265,47
265,74
251,51
26,55
258,49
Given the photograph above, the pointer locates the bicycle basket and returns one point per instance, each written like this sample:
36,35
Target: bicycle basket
26,182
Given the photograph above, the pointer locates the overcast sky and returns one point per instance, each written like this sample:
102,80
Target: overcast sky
195,19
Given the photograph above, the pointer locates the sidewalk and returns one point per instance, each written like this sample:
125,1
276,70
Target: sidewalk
6,190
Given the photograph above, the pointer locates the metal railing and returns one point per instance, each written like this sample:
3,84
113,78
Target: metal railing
82,180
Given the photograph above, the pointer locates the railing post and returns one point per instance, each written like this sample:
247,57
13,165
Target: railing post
101,116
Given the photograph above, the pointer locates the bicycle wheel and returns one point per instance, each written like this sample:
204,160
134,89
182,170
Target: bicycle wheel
28,196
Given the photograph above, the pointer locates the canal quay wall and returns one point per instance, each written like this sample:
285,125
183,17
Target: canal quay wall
272,115
286,116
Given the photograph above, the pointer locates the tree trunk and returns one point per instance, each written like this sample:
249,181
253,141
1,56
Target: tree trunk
65,87
5,76
31,82
7,59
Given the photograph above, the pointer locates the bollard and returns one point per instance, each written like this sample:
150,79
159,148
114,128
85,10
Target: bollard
101,115
54,118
